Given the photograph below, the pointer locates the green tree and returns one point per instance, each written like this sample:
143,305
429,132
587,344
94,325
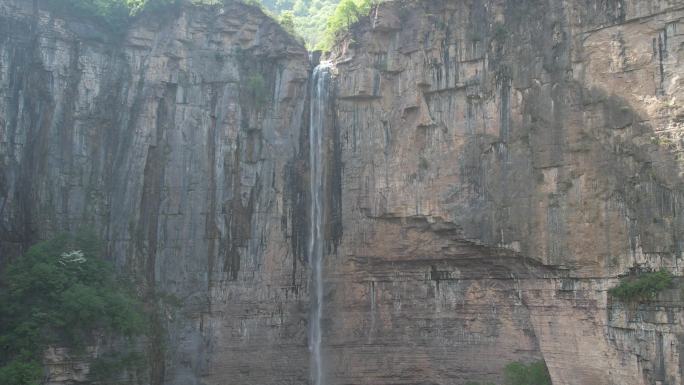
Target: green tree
319,21
60,293
346,13
287,21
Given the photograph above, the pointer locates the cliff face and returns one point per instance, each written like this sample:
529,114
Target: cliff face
491,168
178,143
502,162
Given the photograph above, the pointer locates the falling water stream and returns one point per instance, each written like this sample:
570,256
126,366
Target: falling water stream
319,103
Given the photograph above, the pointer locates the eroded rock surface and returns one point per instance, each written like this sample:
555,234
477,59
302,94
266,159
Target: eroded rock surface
177,141
538,145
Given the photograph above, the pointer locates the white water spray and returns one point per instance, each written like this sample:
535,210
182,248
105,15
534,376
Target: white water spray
319,104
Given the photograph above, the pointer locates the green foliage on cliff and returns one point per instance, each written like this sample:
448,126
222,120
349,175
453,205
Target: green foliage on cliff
287,21
346,13
21,373
308,17
536,373
642,288
113,12
517,373
257,89
318,22
59,293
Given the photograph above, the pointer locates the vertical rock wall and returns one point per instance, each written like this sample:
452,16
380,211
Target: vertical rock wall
176,140
502,163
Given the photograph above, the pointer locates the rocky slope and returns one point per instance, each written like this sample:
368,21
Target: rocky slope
492,167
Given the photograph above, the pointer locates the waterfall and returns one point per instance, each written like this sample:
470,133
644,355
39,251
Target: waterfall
319,103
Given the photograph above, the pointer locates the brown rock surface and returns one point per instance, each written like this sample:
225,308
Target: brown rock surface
478,136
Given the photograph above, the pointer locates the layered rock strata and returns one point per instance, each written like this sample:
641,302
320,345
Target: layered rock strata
502,164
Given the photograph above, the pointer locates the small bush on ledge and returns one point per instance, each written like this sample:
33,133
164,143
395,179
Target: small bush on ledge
518,373
536,373
257,89
642,288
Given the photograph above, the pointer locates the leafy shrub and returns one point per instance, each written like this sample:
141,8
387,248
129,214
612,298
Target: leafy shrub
346,13
59,293
286,20
643,288
257,89
500,32
423,163
155,5
21,373
536,373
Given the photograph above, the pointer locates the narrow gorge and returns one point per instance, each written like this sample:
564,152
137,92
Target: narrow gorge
456,186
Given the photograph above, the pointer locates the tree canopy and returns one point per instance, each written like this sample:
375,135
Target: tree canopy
60,293
318,22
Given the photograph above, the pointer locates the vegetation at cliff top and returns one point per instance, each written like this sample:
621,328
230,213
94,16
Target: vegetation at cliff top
61,293
113,12
117,13
645,287
346,13
317,22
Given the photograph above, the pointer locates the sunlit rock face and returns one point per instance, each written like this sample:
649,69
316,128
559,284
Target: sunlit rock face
178,141
502,163
489,169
